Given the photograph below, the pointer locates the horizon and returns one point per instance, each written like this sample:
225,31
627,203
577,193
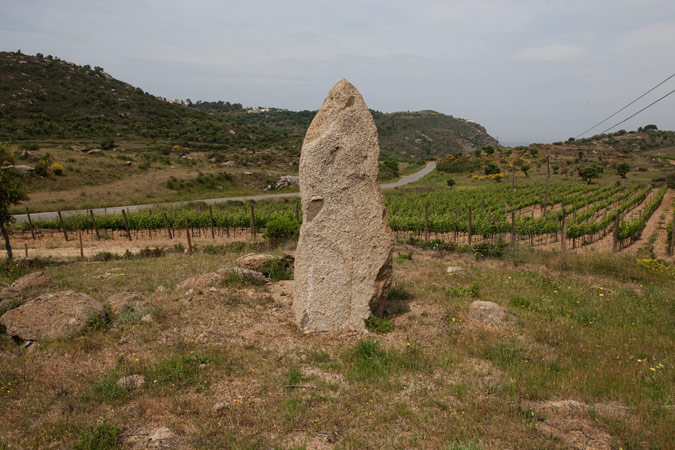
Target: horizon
526,72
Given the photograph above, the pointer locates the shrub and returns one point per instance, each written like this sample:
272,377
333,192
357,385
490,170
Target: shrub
281,228
379,325
98,437
56,168
451,182
492,169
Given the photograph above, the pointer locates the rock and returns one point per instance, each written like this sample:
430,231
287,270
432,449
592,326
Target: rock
147,318
218,407
96,151
22,169
254,261
189,295
160,437
343,263
162,290
78,148
125,301
459,271
228,164
29,155
490,314
31,281
248,173
244,275
202,281
127,163
52,316
287,181
131,382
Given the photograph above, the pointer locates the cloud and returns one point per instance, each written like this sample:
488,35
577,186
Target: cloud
555,52
658,36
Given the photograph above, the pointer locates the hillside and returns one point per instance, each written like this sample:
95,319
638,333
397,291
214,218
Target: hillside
403,135
47,98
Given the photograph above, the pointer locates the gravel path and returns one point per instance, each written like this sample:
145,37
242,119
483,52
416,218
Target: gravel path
130,208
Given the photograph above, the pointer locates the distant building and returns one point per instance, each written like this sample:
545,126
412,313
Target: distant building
257,109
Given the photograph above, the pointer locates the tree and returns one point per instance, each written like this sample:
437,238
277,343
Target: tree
492,169
525,168
490,150
12,191
589,172
451,182
623,169
650,127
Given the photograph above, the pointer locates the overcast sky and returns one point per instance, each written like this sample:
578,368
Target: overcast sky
528,70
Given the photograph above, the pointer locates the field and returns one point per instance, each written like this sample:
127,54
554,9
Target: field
583,361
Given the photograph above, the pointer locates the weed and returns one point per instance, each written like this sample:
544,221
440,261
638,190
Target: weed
277,270
102,436
398,293
404,257
105,256
179,371
211,249
106,389
11,304
519,302
369,361
294,376
379,325
465,445
99,322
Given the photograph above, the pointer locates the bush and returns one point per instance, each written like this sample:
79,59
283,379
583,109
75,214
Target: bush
379,325
492,169
98,437
281,228
56,168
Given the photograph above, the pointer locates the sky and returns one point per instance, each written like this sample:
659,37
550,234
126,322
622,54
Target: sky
527,70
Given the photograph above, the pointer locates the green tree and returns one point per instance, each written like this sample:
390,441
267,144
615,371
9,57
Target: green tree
492,169
587,173
525,168
623,169
12,191
451,182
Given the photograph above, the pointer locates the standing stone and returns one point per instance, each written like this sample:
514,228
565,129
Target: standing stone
343,264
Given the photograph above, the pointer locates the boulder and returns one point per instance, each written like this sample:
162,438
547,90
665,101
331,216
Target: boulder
22,169
254,261
343,263
131,382
245,275
52,316
31,281
96,151
125,301
459,271
202,281
287,181
490,314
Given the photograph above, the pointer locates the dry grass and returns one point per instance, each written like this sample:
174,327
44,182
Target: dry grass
437,380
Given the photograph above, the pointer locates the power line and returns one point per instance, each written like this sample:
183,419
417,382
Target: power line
609,117
652,103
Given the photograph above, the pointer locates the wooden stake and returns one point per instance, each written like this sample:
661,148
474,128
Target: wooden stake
79,233
93,221
65,235
168,226
187,233
548,175
126,225
297,213
253,230
615,244
213,233
563,237
426,222
30,223
469,224
25,246
513,230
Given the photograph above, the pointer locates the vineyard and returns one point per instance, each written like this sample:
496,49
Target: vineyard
588,213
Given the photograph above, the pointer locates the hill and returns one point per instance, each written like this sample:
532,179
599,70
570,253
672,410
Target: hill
47,98
403,135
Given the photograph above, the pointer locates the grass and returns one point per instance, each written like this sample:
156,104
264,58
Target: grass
435,380
102,436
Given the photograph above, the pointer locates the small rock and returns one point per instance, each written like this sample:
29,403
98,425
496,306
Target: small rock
287,181
248,173
161,290
489,313
189,294
218,407
160,437
147,318
213,289
453,270
254,261
32,280
22,169
127,163
131,382
96,151
245,275
228,164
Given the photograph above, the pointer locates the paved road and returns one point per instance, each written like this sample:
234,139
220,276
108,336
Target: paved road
118,209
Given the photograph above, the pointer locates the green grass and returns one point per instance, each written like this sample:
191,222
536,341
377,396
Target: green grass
102,436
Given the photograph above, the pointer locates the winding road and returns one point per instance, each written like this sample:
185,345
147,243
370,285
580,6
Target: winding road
118,209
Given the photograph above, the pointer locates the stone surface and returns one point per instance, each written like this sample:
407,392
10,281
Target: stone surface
254,261
131,382
244,275
52,316
490,314
287,181
31,281
125,301
454,270
343,259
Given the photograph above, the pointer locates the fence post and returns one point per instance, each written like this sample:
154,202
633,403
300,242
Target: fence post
297,213
563,245
30,224
79,234
469,224
187,233
253,230
93,221
62,227
25,246
615,242
513,230
213,233
126,225
168,225
426,222
548,175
